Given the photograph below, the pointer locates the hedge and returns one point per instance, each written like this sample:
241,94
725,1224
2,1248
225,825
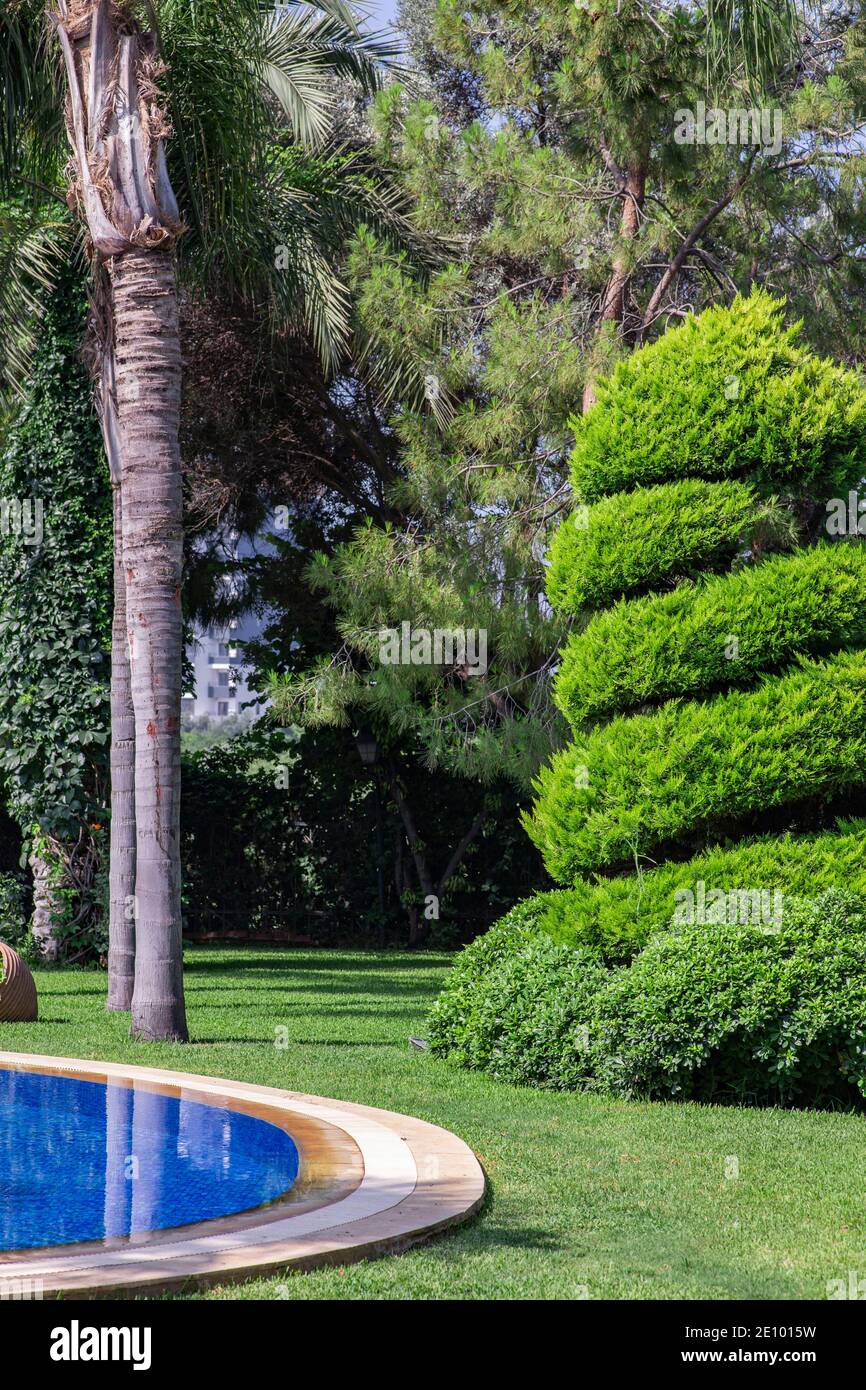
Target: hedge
647,781
741,1014
728,394
521,1019
680,643
651,538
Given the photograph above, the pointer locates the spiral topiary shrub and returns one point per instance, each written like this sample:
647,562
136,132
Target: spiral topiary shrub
730,393
708,686
715,676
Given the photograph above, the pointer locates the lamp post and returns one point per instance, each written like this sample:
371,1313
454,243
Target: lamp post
368,750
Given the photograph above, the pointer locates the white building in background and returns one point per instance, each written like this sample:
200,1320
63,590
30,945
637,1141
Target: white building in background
220,688
216,653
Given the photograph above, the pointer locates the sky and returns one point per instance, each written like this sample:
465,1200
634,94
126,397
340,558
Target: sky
382,11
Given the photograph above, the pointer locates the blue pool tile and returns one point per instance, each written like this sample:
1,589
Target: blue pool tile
80,1160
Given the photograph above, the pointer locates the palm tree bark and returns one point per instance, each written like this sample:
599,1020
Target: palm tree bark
121,879
147,350
121,875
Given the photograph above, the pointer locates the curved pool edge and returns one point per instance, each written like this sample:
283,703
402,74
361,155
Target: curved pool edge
417,1181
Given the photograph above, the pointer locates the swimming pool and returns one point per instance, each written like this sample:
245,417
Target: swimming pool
87,1160
336,1181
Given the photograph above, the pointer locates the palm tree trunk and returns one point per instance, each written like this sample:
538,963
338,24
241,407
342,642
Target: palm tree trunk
121,872
147,348
121,879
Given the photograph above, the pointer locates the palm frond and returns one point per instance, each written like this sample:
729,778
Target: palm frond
318,200
33,250
219,120
306,46
240,205
303,279
401,377
31,108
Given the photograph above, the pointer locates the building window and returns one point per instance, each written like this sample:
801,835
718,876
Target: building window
222,706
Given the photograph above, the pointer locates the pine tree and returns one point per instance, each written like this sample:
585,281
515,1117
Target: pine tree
715,679
534,133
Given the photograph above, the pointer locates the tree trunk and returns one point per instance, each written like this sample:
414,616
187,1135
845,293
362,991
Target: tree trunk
46,910
121,885
147,350
121,875
613,303
429,888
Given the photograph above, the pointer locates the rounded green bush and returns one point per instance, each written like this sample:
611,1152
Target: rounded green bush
525,1017
742,1014
769,1013
725,631
731,392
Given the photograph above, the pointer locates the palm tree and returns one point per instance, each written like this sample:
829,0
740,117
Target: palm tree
238,72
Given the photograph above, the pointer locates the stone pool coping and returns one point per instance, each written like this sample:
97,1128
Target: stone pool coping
414,1180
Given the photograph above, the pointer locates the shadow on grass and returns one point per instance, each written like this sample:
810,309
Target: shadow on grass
305,962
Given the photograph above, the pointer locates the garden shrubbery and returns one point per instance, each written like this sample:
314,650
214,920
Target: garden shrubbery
16,905
640,783
516,1005
261,855
652,538
715,692
744,1014
727,631
717,1013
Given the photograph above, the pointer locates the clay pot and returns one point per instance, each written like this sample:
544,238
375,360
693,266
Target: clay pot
17,988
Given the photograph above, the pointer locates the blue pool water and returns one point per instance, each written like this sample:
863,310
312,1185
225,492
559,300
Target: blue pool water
80,1160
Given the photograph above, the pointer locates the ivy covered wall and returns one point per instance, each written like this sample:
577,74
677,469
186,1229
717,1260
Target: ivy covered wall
55,623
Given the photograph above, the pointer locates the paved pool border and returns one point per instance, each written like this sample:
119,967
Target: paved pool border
417,1180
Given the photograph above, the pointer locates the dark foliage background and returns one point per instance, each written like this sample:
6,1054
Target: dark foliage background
279,836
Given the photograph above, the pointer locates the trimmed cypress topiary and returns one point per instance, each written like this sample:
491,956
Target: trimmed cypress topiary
654,537
715,680
715,684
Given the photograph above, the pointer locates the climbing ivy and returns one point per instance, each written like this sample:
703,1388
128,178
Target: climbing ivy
55,611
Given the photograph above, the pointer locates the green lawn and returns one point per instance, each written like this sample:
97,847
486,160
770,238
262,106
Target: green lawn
630,1201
